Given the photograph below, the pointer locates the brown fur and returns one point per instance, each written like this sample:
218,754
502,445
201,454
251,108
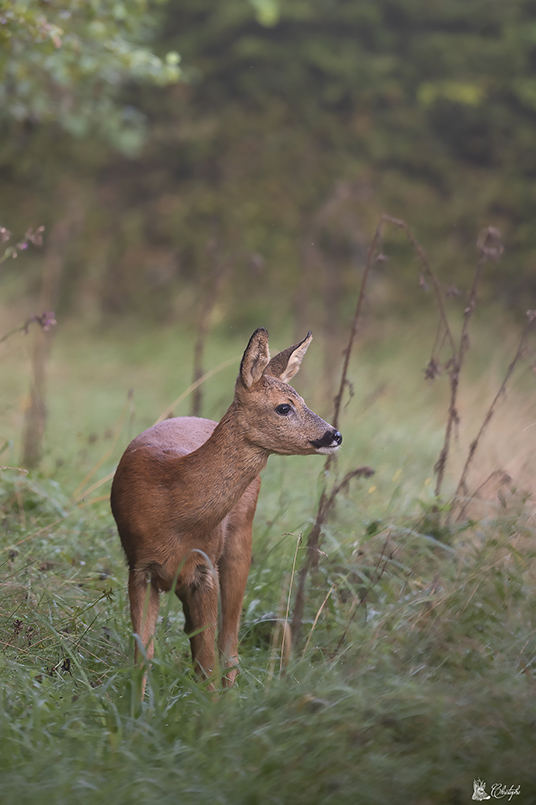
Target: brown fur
184,496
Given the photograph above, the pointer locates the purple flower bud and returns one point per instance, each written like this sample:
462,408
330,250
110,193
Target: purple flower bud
47,320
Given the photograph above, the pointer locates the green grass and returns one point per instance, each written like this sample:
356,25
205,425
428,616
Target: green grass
419,673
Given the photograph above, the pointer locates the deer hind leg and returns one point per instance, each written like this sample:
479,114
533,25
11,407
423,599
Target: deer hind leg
144,605
200,604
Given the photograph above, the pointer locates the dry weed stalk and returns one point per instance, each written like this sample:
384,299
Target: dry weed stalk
35,415
81,492
461,489
327,499
282,625
381,566
317,616
213,283
287,631
45,320
490,247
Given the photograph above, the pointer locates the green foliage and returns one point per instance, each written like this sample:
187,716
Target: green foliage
267,11
66,65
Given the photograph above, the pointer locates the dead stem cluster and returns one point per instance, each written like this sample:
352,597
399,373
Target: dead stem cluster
490,247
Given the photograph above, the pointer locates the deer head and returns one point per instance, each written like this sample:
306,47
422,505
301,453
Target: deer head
272,414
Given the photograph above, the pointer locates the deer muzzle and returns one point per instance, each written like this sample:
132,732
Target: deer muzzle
329,442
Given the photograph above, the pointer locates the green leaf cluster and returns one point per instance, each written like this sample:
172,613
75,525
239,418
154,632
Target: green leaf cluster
65,64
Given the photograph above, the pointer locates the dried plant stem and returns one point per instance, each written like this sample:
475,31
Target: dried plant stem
461,489
454,369
353,328
99,498
80,491
212,287
281,624
287,632
490,247
43,320
31,536
35,415
429,273
164,415
312,547
327,500
167,412
379,570
457,352
452,419
371,257
325,504
322,605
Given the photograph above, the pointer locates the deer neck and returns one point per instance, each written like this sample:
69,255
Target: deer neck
222,469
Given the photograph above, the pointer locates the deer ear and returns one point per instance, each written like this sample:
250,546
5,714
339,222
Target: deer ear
255,358
287,363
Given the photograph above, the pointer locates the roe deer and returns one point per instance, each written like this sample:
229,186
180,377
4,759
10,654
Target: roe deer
185,493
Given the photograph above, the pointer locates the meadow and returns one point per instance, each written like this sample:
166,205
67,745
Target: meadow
415,673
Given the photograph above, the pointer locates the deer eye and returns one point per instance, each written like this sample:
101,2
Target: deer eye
284,409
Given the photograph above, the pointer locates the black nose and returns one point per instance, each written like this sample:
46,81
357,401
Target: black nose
331,438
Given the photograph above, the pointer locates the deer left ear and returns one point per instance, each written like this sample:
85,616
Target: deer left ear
286,364
255,358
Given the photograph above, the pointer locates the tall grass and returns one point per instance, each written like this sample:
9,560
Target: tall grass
416,672
431,687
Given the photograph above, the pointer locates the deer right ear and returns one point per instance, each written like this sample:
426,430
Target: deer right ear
287,363
255,358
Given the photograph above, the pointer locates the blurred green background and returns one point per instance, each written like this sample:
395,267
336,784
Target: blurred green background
172,146
204,168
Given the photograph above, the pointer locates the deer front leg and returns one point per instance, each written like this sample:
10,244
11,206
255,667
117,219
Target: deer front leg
200,605
144,604
234,568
